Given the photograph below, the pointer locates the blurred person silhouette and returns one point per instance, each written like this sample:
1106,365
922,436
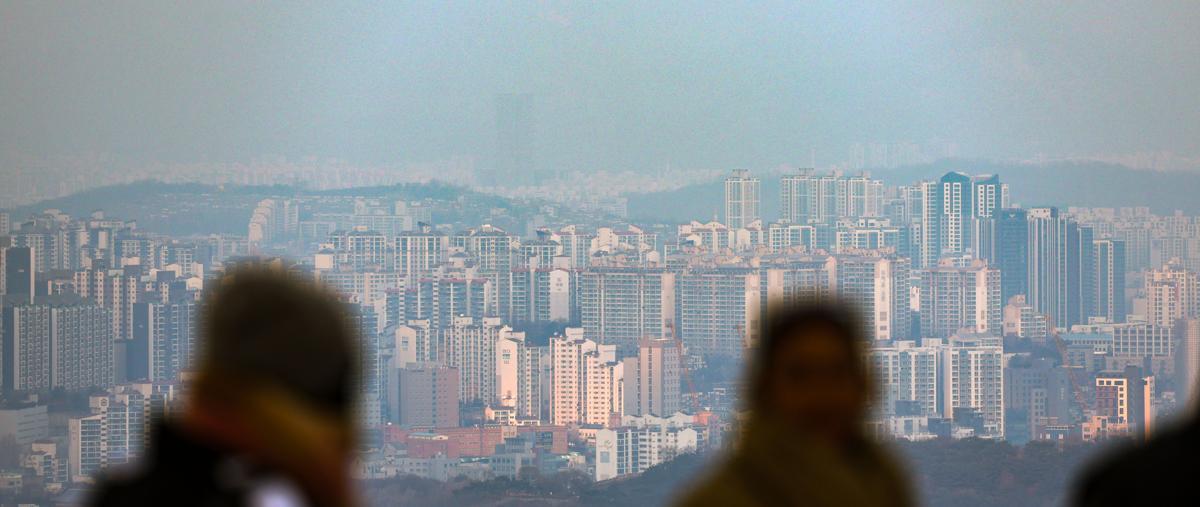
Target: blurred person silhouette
268,419
1158,472
805,441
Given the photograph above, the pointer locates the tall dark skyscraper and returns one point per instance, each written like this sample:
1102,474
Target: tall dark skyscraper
1081,273
18,273
1010,249
1061,267
514,164
1047,266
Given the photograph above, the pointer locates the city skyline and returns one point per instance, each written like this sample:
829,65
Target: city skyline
559,238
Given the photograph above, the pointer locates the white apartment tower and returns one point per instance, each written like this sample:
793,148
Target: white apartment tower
742,203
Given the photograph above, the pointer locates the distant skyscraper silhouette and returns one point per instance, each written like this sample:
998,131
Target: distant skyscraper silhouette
514,164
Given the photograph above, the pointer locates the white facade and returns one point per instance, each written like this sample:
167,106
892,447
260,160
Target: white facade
631,450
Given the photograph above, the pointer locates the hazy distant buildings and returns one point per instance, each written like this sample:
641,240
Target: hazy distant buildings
808,197
742,199
959,380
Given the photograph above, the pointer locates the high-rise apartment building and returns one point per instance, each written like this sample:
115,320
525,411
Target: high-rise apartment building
440,299
742,199
908,372
118,428
56,342
360,249
115,289
878,288
541,294
164,343
424,396
417,253
1010,251
1110,280
652,378
81,344
974,381
960,298
471,347
492,250
1061,267
953,207
25,333
621,306
1172,293
587,384
808,197
719,309
362,286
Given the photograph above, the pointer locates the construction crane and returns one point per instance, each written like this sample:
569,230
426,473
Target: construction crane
1072,376
694,402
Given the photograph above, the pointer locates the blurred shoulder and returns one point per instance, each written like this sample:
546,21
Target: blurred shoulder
721,486
1163,465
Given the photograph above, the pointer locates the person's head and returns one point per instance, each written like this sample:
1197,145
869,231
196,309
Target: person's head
810,372
277,378
261,329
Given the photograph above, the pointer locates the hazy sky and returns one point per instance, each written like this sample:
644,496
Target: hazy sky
706,84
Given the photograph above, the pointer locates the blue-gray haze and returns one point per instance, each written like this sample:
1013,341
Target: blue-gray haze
616,85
